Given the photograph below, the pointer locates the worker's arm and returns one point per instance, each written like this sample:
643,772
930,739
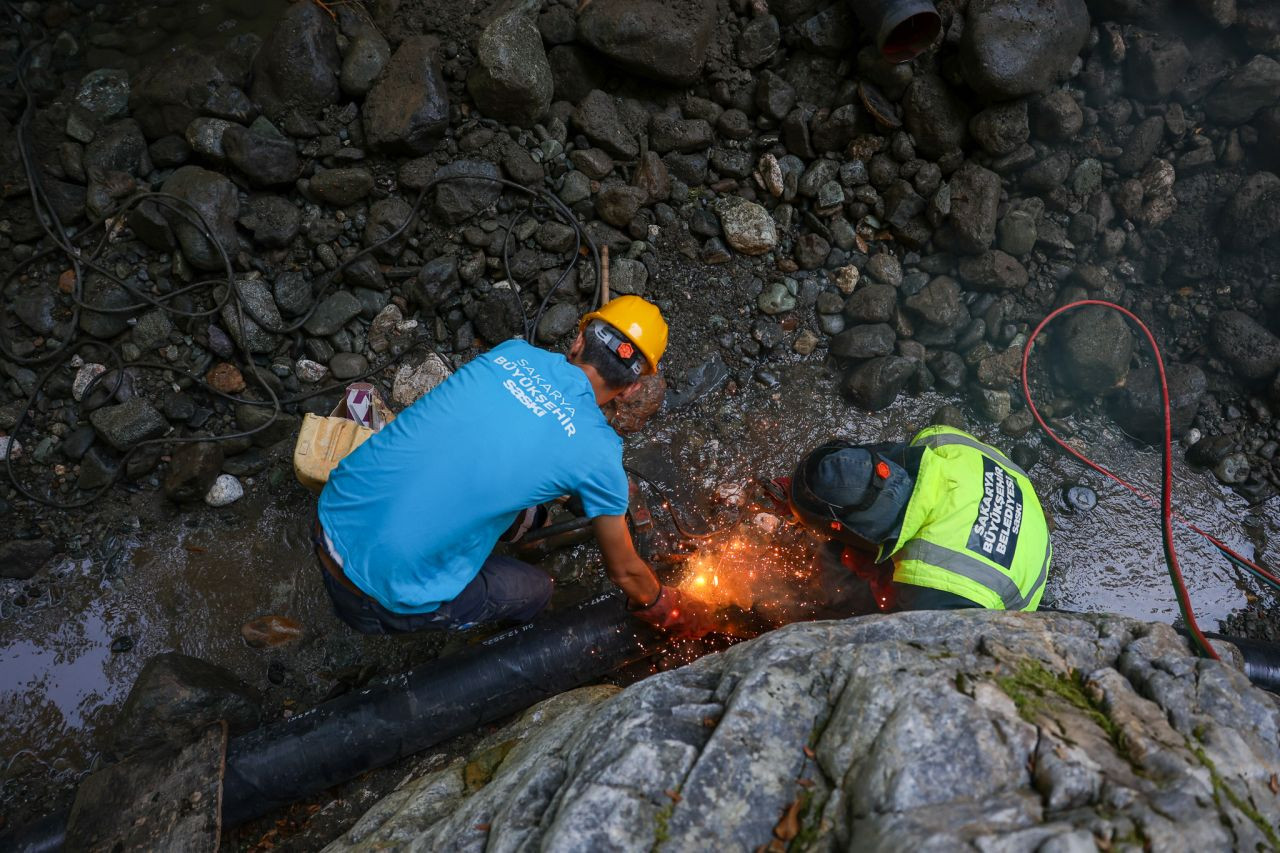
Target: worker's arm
623,565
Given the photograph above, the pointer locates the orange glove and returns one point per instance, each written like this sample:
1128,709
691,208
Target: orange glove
677,614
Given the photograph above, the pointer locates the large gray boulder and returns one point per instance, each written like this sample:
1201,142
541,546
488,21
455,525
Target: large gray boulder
1012,48
214,198
924,731
511,80
299,63
407,110
1248,89
664,40
1093,349
1251,350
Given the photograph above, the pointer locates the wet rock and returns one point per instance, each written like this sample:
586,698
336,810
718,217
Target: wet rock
436,283
1154,64
169,152
1017,232
511,80
598,120
628,276
652,176
1011,48
875,384
748,227
348,365
975,196
522,168
872,303
35,311
1093,350
386,217
776,298
559,320
204,136
664,40
1248,89
864,341
1253,214
993,271
617,204
271,632
1002,128
1058,118
1138,407
152,331
192,470
407,110
22,559
575,72
412,381
1141,146
1232,470
366,56
225,491
225,377
940,302
885,268
341,187
174,698
292,292
1251,350
668,133
758,41
812,251
298,64
214,196
104,92
265,160
118,147
167,95
333,313
774,96
104,293
124,425
272,221
457,200
936,117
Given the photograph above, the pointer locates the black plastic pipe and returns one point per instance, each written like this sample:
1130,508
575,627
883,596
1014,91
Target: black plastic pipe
284,762
903,29
1261,660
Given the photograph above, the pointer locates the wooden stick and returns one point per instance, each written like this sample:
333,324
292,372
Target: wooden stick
604,275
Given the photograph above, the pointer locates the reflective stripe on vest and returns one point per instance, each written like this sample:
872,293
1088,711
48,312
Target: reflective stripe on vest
942,439
977,571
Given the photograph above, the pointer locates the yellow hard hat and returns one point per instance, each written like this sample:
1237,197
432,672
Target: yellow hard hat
640,321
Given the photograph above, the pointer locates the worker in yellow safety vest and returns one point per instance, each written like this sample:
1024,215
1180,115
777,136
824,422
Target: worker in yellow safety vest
940,523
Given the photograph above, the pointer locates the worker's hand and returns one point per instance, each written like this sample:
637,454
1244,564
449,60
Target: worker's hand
778,491
677,614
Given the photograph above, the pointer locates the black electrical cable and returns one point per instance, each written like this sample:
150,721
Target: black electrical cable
65,243
669,505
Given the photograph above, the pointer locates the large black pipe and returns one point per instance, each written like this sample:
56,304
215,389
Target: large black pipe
281,763
1261,660
903,29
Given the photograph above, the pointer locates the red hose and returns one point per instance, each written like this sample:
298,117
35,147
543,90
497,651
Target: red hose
1166,490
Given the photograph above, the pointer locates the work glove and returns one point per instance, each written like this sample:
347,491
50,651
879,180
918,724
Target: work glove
778,491
677,614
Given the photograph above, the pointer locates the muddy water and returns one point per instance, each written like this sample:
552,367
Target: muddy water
190,584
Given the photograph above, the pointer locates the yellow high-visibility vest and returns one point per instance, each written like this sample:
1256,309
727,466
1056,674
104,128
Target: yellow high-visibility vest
973,525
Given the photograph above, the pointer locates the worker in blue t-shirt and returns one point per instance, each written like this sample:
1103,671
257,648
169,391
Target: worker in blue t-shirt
407,521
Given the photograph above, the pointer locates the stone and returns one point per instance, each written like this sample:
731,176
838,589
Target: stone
436,283
1017,232
225,377
522,168
1141,146
668,133
598,120
885,268
1246,90
273,221
458,199
872,303
174,698
935,116
748,227
215,198
1252,351
341,187
292,292
940,302
1001,129
225,491
104,92
559,320
811,251
864,341
1058,118
1252,216
874,385
169,93
1011,48
407,110
628,276
126,424
412,381
367,55
1093,349
1138,407
617,204
511,80
265,160
975,195
758,41
310,371
348,365
665,40
35,311
118,147
22,559
575,72
333,313
85,375
776,298
1154,63
193,467
272,632
993,271
386,217
774,95
652,176
298,64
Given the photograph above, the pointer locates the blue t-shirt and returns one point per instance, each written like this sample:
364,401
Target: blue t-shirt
414,511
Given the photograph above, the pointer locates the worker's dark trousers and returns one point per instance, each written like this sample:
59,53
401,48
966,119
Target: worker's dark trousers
845,594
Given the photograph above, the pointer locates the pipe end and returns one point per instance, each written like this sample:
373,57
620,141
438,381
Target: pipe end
911,37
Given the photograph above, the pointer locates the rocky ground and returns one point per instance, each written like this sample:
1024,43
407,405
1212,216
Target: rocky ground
783,193
924,731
